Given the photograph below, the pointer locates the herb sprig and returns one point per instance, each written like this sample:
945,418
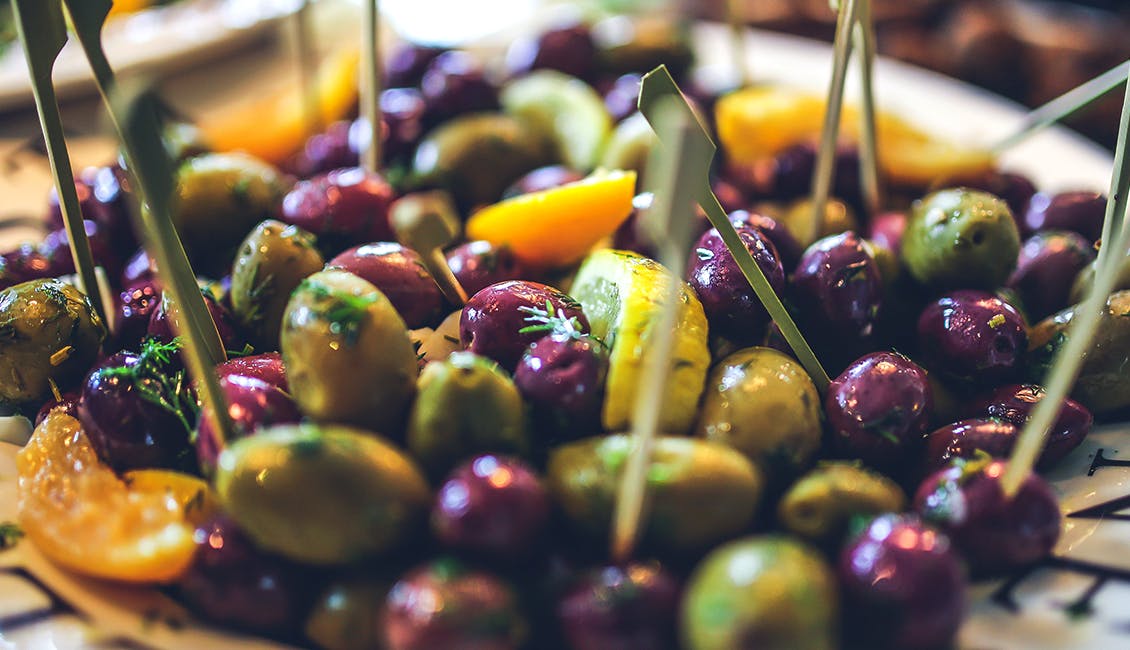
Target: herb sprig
157,382
551,320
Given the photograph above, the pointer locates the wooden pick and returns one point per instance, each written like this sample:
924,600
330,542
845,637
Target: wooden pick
427,223
671,176
657,85
371,72
305,62
43,31
737,37
870,186
826,154
1081,330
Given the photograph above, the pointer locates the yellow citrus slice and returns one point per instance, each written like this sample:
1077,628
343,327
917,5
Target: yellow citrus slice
558,226
195,497
81,516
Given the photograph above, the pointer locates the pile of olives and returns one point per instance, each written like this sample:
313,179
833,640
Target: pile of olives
410,474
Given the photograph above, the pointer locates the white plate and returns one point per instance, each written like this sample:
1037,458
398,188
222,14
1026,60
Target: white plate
1040,609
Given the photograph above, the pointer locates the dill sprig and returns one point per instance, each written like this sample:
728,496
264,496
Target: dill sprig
345,312
158,381
551,320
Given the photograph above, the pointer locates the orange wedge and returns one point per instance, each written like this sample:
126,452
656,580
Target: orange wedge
195,497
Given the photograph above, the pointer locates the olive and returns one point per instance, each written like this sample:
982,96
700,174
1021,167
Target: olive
445,604
887,229
995,533
542,178
760,592
404,114
466,405
103,200
135,309
732,308
347,353
68,402
494,319
106,251
561,379
1086,280
162,327
455,84
400,274
788,248
271,263
629,145
798,216
24,264
566,47
266,367
405,66
701,492
879,408
347,614
630,607
969,439
478,156
234,583
1079,211
788,174
343,208
479,264
760,402
729,196
1015,189
837,285
621,98
252,404
903,586
220,198
492,505
1014,403
287,485
1046,269
48,333
823,503
960,238
630,44
326,151
972,336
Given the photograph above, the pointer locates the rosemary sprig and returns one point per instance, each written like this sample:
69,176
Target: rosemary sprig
551,320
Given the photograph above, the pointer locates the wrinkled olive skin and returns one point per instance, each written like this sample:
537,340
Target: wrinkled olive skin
466,405
42,321
972,336
347,615
220,198
476,157
1048,265
321,495
347,353
960,238
769,593
272,262
820,506
701,492
762,403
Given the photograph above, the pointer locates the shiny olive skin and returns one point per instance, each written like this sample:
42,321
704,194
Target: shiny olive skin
252,404
68,404
732,308
492,319
343,208
1015,189
837,284
788,248
567,48
542,178
960,238
400,274
632,607
479,264
903,586
968,438
491,505
767,592
272,261
48,332
561,379
972,336
289,484
701,492
1014,403
405,66
162,328
266,367
454,83
466,405
879,408
1046,269
476,610
135,308
1078,211
821,505
994,533
24,264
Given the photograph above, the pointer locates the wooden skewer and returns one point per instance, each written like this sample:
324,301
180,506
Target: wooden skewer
869,176
737,37
428,223
371,72
305,63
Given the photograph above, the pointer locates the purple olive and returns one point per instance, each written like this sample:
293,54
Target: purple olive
973,336
729,195
838,286
252,404
342,208
266,367
69,404
233,583
138,269
567,48
879,408
886,230
903,586
22,264
57,248
400,274
995,533
406,65
1082,212
493,505
561,379
622,96
788,248
732,308
403,111
789,174
542,178
1014,403
1046,269
101,200
161,326
1015,189
632,607
479,264
446,605
964,439
454,83
493,317
135,309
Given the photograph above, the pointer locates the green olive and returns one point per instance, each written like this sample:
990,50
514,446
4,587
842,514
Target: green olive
820,506
762,403
1086,279
769,593
347,352
476,157
888,262
322,495
347,615
272,262
797,218
960,238
700,493
49,332
466,405
183,140
629,145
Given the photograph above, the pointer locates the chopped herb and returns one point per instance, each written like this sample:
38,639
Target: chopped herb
451,339
61,355
996,321
345,312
